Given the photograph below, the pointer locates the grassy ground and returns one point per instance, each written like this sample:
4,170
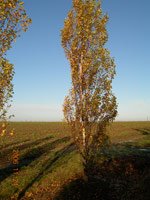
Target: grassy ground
49,166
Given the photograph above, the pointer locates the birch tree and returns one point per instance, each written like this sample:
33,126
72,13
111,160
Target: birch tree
6,90
13,19
90,105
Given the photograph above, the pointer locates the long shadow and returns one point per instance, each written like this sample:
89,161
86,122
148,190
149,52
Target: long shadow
6,150
121,177
48,167
21,146
38,151
12,144
145,131
30,156
7,153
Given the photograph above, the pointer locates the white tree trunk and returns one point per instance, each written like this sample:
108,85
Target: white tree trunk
81,99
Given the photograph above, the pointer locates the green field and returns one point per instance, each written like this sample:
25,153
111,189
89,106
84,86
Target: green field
49,166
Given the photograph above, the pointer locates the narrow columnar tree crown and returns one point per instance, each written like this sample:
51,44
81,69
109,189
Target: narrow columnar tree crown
6,87
13,19
90,105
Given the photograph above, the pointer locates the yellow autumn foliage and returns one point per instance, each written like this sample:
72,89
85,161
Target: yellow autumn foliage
13,19
90,105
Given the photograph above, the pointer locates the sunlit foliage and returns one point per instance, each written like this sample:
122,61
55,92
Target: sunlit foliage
90,105
13,19
6,87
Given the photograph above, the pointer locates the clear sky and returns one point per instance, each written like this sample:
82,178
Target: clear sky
42,74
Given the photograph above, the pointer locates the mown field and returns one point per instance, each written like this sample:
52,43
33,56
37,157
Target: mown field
49,166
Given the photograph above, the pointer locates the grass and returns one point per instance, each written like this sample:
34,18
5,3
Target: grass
50,167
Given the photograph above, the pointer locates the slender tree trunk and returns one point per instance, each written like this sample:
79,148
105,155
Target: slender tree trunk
81,98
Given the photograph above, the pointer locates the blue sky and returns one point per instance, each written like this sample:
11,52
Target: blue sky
42,74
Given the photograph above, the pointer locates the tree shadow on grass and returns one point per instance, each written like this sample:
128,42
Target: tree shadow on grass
144,131
48,167
30,156
8,146
5,151
121,177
